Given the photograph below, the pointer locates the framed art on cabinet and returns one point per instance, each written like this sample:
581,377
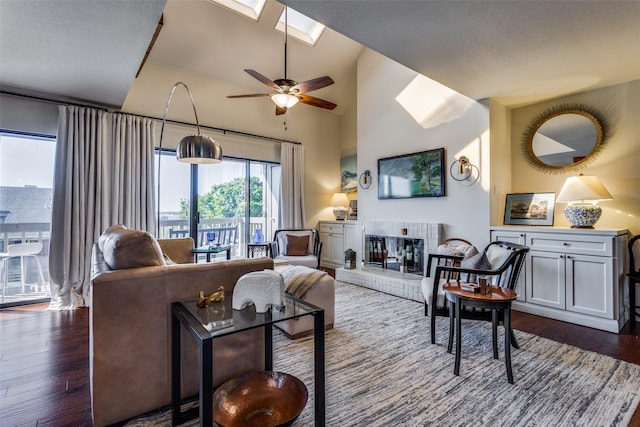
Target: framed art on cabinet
353,210
529,209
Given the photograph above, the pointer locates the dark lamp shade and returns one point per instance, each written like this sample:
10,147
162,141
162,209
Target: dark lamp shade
198,149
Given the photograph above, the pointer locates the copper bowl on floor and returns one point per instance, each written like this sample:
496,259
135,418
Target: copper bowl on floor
259,399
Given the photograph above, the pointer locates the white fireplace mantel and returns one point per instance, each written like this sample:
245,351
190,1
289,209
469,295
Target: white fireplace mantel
431,233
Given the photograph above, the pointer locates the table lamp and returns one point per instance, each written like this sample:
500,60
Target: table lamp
339,201
582,193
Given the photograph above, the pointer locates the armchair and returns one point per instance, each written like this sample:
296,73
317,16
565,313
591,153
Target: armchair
501,261
297,247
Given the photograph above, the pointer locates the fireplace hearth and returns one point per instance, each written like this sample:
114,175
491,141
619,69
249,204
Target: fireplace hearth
394,256
405,255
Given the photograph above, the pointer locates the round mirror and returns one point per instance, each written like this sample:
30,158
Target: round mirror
564,139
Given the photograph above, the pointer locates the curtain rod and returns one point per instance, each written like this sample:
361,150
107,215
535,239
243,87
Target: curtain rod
101,107
234,132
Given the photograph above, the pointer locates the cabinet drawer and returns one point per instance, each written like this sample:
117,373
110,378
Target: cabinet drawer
568,243
331,228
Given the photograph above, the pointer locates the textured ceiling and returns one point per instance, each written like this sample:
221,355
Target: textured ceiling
80,49
515,51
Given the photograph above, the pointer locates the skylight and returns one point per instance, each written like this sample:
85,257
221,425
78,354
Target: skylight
301,27
249,8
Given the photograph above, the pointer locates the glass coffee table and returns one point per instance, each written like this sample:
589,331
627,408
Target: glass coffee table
215,249
206,325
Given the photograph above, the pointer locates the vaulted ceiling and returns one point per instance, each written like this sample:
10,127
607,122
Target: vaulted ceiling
515,51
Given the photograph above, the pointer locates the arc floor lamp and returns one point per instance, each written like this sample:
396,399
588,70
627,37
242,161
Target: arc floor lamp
198,148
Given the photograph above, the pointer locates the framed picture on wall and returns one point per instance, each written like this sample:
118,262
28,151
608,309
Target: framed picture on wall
412,175
529,209
349,174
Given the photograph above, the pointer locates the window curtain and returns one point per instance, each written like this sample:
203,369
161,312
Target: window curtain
292,197
104,175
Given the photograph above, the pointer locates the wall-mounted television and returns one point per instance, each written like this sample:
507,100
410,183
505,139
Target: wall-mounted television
419,174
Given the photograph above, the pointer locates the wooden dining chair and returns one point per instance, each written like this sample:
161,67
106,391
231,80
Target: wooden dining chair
502,266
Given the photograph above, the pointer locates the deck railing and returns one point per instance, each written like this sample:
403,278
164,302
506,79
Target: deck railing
28,232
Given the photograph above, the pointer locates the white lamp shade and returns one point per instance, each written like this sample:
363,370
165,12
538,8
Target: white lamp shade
284,100
583,189
339,199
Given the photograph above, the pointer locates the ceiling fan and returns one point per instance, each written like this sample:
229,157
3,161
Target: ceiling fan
287,92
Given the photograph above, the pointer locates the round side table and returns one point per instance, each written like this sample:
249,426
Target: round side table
495,300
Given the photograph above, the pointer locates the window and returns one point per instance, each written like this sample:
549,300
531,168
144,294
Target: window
175,193
301,27
249,8
26,196
221,192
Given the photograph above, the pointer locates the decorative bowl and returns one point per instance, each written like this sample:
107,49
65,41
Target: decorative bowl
264,398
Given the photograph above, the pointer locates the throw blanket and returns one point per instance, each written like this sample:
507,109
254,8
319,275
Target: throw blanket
299,280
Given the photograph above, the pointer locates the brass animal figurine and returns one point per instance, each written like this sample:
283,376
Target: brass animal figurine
217,296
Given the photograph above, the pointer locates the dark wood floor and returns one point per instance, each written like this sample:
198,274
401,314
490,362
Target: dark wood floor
44,365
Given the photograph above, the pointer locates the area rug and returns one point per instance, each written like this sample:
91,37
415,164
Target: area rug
383,371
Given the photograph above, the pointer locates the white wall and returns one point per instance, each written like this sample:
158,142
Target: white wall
447,119
318,130
500,160
616,165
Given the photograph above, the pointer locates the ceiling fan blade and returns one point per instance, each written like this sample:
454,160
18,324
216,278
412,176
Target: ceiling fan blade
264,80
252,95
313,84
280,110
316,102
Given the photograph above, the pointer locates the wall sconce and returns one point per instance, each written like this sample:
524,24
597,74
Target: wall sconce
582,193
462,169
365,179
340,201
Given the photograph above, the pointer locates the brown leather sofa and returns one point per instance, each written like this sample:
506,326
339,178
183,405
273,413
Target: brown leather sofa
130,331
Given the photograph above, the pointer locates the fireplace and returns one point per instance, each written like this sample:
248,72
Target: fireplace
403,254
394,257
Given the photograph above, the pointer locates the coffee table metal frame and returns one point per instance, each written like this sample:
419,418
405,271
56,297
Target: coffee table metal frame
184,313
497,299
212,250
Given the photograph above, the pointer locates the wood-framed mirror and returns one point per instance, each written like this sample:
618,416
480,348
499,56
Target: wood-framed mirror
563,139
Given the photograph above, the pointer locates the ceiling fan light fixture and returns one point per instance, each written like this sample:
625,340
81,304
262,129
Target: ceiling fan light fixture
284,100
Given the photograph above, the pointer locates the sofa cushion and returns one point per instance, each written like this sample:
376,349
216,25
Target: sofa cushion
179,251
297,245
126,248
497,256
462,250
476,262
310,261
98,264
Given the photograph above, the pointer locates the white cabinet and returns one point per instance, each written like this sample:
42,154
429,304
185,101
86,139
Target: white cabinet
337,237
574,275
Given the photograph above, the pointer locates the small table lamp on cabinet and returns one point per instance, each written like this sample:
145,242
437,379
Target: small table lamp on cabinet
582,193
340,201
